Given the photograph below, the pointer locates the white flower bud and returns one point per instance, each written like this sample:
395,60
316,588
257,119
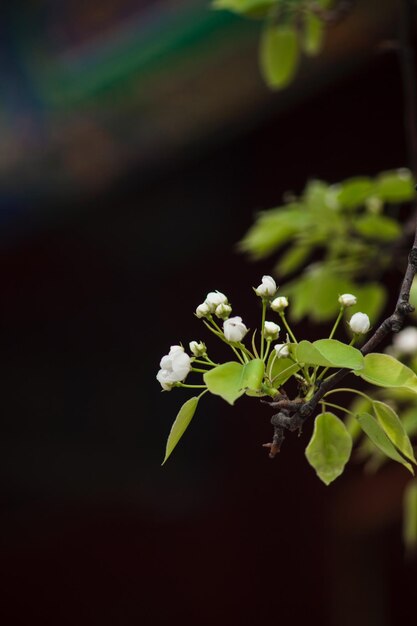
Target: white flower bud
214,298
405,342
234,329
282,350
267,288
271,330
279,304
347,299
174,367
202,310
198,349
223,311
359,323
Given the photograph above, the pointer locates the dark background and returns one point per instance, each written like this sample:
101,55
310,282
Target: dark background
97,282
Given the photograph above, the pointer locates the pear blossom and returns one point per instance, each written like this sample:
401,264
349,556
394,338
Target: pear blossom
282,350
279,304
223,311
405,342
359,323
267,288
202,310
174,367
214,298
271,330
234,329
197,348
347,299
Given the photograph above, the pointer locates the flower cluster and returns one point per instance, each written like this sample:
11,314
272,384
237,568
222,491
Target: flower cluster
261,366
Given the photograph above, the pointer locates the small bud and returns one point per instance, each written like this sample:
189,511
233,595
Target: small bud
234,329
279,304
197,349
282,350
347,299
267,288
214,298
359,323
271,330
202,310
223,311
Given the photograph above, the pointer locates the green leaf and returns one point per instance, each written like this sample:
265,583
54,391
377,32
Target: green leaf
329,448
293,258
378,437
385,371
409,420
329,353
377,227
184,417
273,229
252,375
231,380
353,192
249,8
225,381
282,370
279,54
410,516
393,428
395,186
313,34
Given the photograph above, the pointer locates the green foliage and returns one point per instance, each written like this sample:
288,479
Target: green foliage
381,440
226,381
247,8
329,448
329,353
181,423
313,34
347,228
385,371
279,55
290,26
394,429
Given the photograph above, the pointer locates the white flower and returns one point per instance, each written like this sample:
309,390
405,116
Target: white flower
359,323
282,350
405,342
202,310
347,299
196,348
279,304
267,287
223,311
213,299
234,329
174,367
271,330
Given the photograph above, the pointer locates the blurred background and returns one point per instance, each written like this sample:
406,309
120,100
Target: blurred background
137,142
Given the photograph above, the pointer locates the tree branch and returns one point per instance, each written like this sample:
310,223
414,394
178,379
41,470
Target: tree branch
293,413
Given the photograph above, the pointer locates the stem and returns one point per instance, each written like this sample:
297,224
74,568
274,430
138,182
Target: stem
191,386
264,303
287,326
336,406
336,324
197,369
342,389
221,336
